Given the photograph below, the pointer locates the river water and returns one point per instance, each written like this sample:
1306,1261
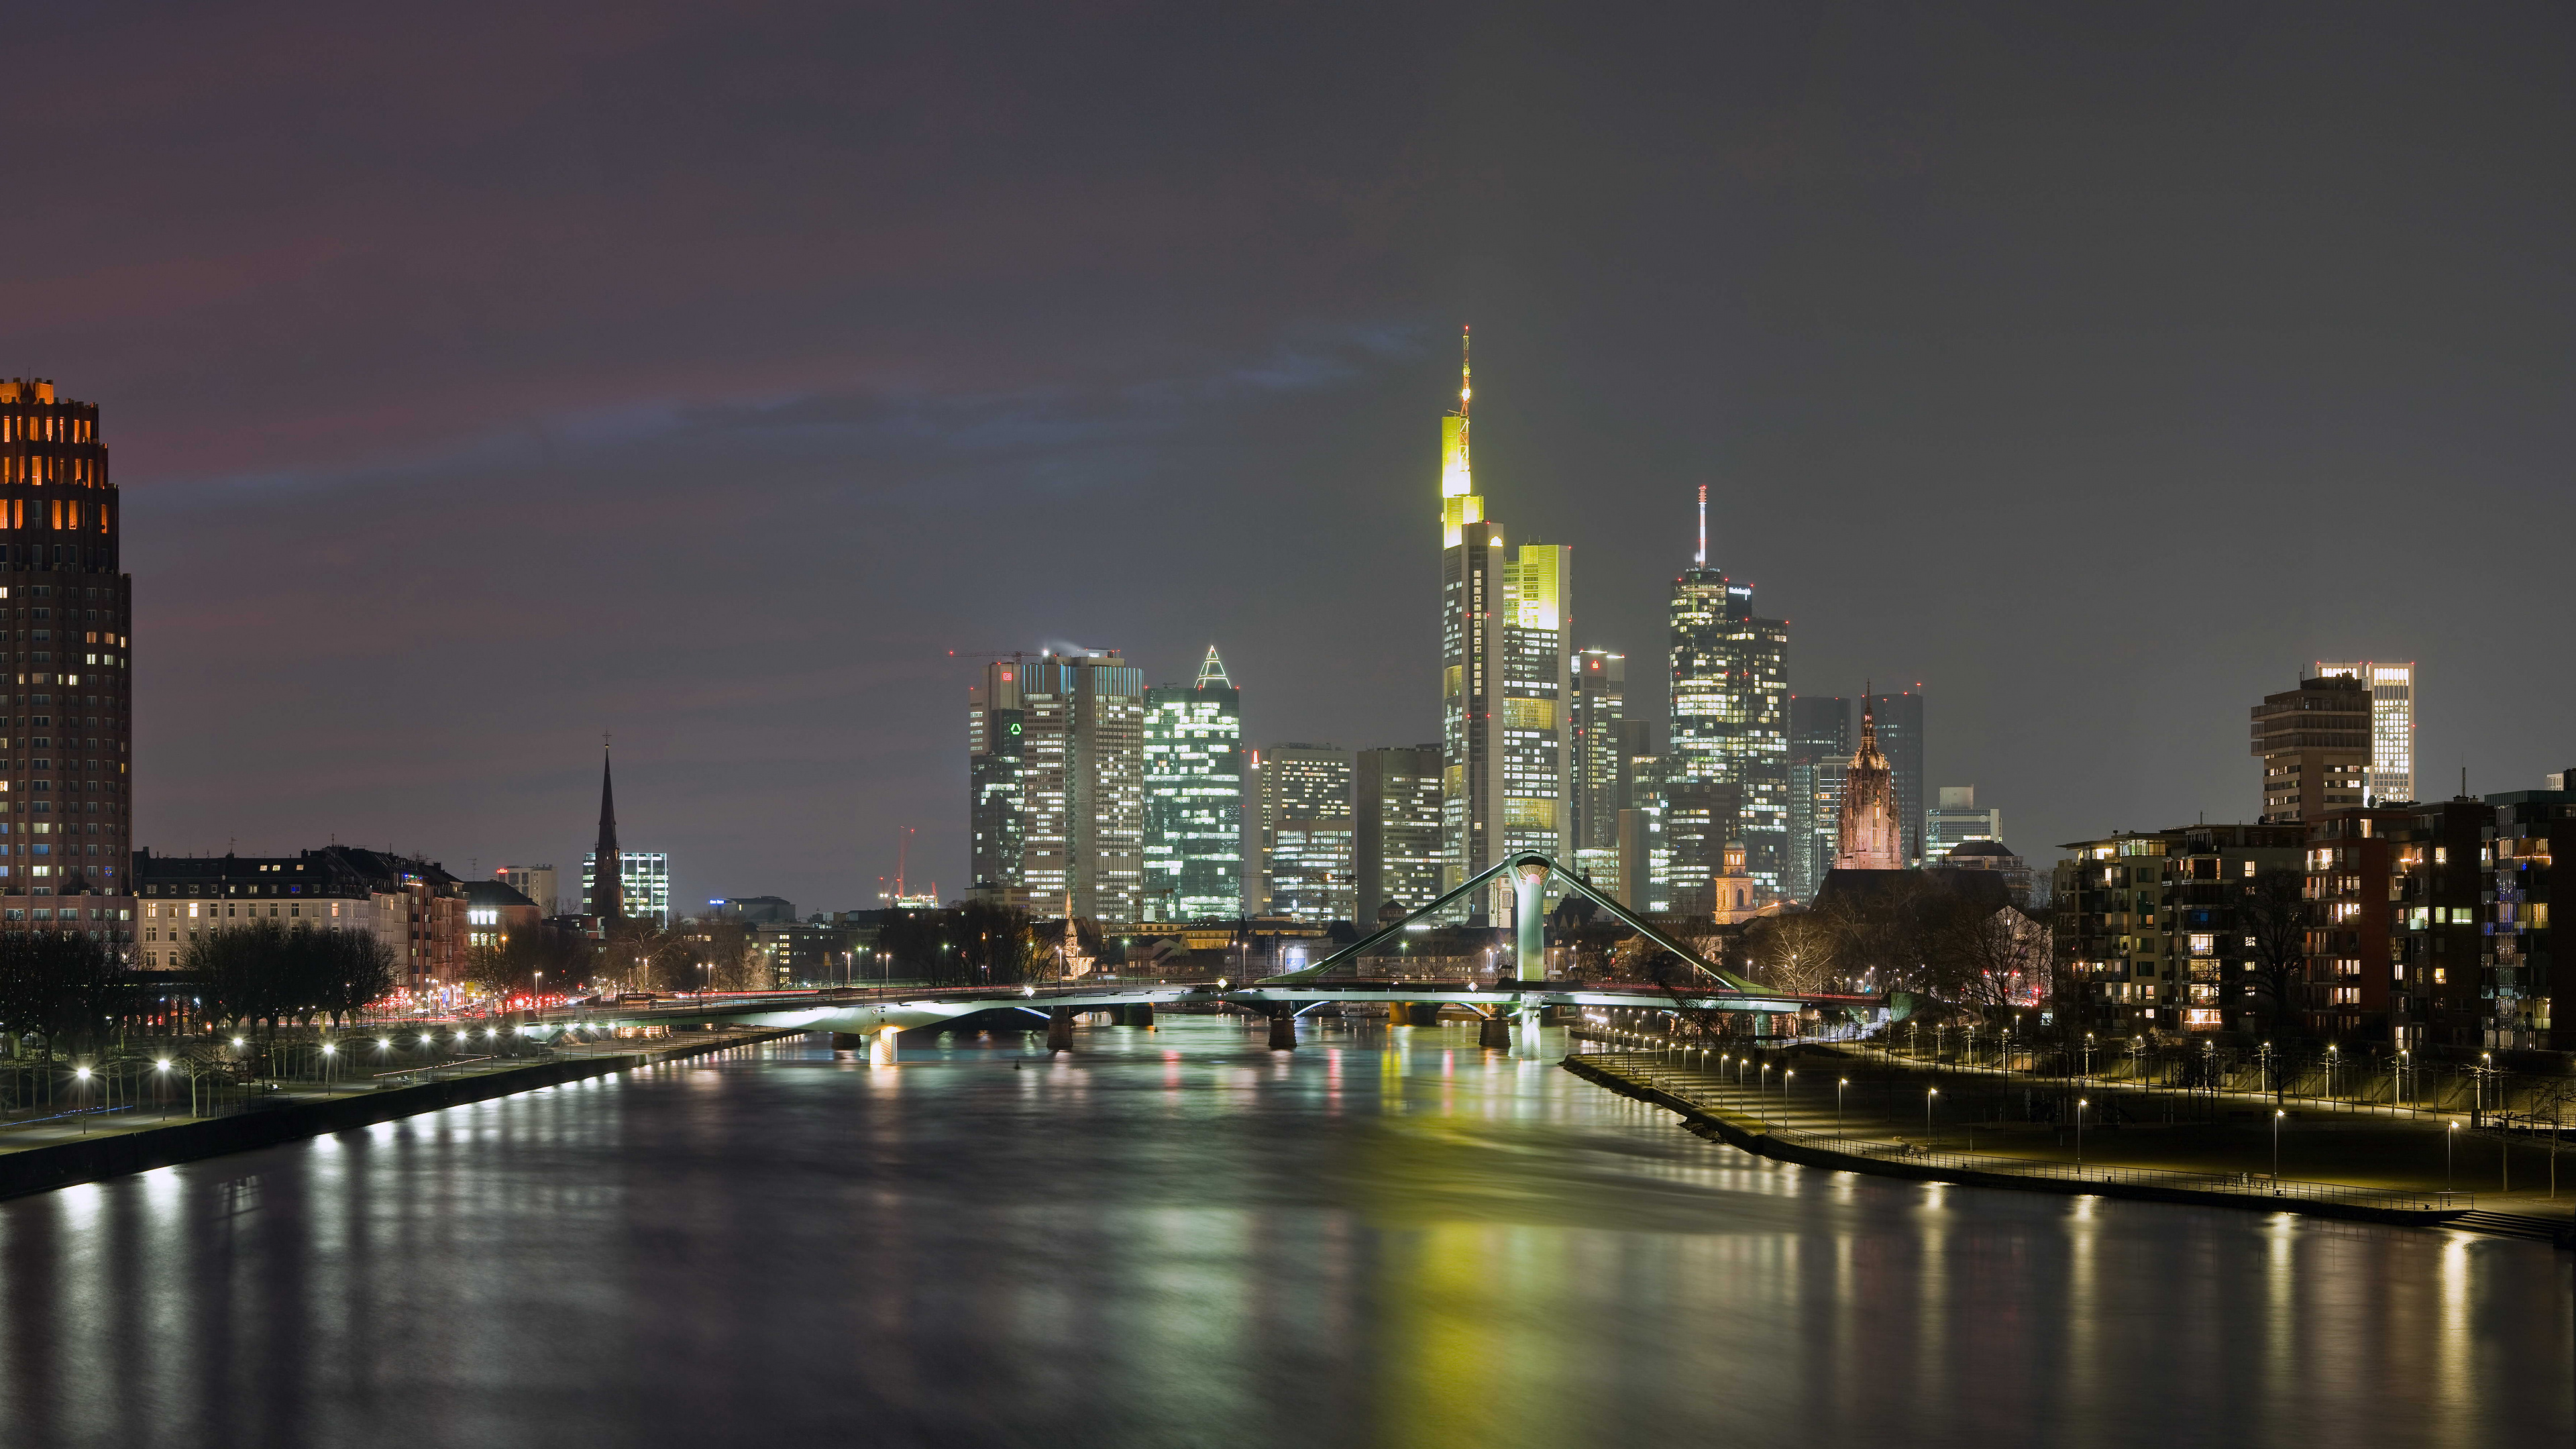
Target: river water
1179,1238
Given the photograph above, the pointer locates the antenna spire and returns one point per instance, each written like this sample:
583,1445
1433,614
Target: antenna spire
1466,370
1702,555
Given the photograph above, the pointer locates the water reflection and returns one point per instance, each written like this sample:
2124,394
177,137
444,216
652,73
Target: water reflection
1177,1237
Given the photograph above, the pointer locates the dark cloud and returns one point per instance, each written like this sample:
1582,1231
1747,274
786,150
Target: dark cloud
486,377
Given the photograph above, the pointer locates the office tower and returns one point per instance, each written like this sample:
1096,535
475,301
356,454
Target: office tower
1505,680
1396,822
1699,819
1900,738
1730,705
1956,821
2391,777
536,882
1870,835
641,890
1194,798
69,830
997,805
1820,749
2314,742
1599,709
1306,832
1645,858
1080,791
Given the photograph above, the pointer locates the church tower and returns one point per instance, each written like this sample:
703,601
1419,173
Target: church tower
1869,837
607,879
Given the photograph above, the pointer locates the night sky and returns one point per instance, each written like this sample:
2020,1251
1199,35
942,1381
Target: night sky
483,377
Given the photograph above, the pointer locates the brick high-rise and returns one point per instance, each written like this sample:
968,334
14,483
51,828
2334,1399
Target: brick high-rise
67,830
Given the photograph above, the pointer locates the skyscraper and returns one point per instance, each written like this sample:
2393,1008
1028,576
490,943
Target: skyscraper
1599,708
1395,820
1307,834
70,830
1077,804
1900,738
1820,747
2391,777
1505,679
1730,705
1870,835
1194,797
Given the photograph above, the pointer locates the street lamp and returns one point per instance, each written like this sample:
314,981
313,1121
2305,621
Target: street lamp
2277,1115
2450,1155
2080,1105
1838,1105
1928,1094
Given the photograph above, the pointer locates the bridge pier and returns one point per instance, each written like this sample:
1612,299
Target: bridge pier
1139,1013
849,1041
1059,1029
1495,1031
1283,1031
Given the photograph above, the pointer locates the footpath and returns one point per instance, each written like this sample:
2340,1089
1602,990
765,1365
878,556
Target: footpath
87,1147
1832,1121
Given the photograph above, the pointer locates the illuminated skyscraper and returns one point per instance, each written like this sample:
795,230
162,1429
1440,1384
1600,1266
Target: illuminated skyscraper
1396,824
1730,704
1307,834
2391,776
1600,705
1073,803
1194,798
1900,738
70,802
1820,748
1505,680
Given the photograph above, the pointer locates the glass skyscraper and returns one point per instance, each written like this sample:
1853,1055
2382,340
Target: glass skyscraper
1194,798
2391,776
1820,748
1505,684
1730,709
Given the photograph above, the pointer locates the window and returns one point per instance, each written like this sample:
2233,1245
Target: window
2249,870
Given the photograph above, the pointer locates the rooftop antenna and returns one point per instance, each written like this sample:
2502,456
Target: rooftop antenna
1702,556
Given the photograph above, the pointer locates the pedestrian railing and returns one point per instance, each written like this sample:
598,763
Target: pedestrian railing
1696,1090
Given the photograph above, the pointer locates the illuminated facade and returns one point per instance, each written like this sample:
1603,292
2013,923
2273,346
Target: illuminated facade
2390,778
1505,680
1194,798
644,884
1073,802
1599,708
1730,709
1956,821
2314,742
68,802
1307,834
1869,837
1820,749
1396,819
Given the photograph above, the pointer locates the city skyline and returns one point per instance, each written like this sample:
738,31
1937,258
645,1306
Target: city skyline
2027,364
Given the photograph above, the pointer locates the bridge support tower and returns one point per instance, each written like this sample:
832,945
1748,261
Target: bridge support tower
1283,1031
1060,1029
1495,1031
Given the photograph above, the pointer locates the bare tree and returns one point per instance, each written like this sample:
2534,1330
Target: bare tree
1797,951
1982,955
2272,915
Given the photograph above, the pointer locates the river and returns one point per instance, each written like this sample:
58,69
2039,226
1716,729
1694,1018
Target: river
1176,1237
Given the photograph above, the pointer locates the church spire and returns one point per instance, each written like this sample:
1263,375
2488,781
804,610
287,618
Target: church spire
1212,671
607,878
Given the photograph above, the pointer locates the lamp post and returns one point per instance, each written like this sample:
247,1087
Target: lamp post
2450,1156
1784,1095
2277,1115
2331,1057
2080,1105
1928,1094
1838,1105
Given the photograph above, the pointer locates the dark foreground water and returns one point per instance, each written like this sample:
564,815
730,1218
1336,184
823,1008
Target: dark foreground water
1180,1239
